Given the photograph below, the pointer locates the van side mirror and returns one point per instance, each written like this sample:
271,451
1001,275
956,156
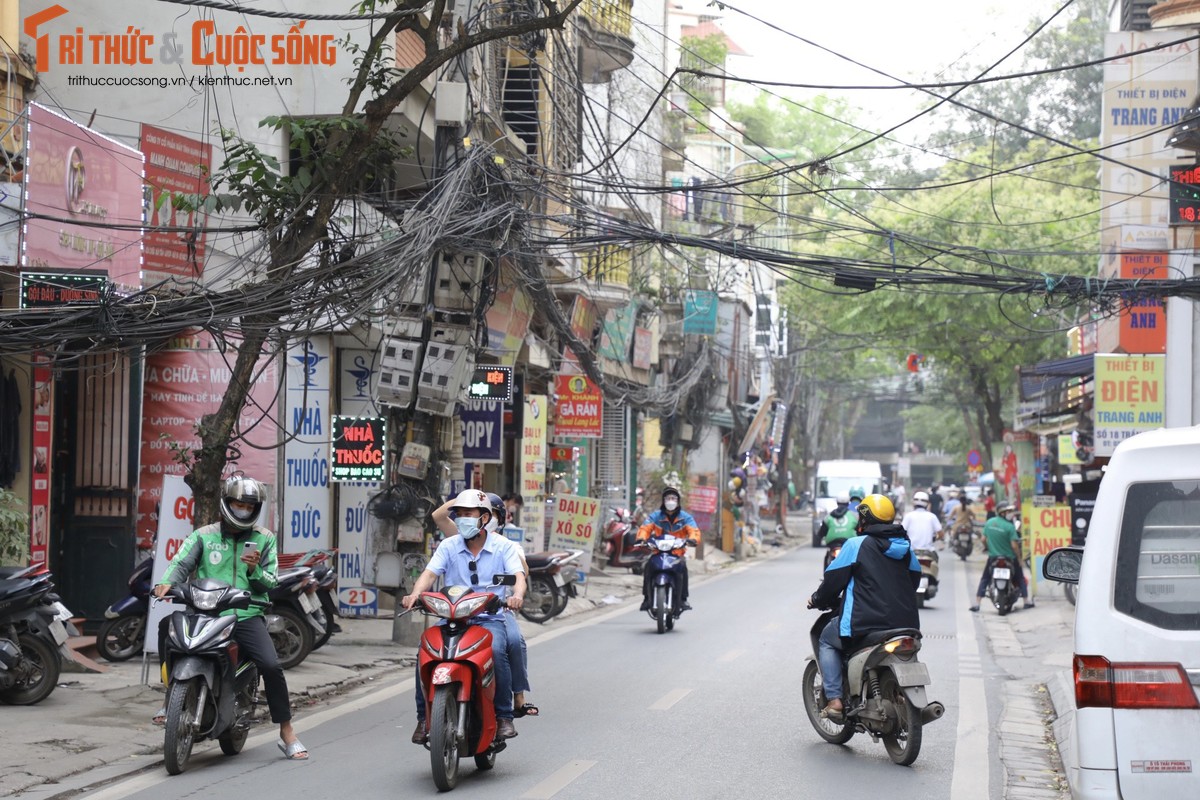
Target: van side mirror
1062,564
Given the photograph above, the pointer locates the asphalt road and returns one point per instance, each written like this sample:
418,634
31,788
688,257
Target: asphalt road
710,710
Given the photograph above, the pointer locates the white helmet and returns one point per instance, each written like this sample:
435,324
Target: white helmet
843,499
921,499
241,490
472,498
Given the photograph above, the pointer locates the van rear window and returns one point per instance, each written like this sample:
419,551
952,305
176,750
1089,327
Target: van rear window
1158,561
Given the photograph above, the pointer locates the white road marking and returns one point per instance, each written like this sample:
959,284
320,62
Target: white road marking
669,699
558,781
972,764
730,656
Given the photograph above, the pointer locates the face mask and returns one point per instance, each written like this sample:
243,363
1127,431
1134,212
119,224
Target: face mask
242,515
468,527
670,505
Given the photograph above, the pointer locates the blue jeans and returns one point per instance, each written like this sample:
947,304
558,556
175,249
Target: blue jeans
518,654
829,657
503,647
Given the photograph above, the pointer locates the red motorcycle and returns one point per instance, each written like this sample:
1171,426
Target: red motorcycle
621,548
455,666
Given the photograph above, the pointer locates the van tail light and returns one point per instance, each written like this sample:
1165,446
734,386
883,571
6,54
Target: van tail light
1102,684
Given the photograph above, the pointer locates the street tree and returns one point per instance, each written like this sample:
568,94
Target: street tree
340,156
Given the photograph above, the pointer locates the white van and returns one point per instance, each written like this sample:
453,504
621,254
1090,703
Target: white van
834,478
1137,624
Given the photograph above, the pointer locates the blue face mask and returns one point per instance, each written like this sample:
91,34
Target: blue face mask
468,527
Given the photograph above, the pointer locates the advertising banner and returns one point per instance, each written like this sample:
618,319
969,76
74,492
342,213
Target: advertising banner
616,332
175,165
1130,398
482,430
1144,319
174,526
700,312
533,470
39,498
508,322
359,449
642,339
1049,527
182,384
575,524
1016,469
307,522
77,181
1146,94
579,411
353,521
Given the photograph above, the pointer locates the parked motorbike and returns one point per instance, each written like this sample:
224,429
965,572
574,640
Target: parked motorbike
295,618
123,631
662,564
210,695
1002,589
620,543
552,578
325,577
883,692
928,588
455,669
33,632
963,540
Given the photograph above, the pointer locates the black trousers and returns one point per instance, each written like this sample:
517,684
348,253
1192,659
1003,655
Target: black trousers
254,644
679,575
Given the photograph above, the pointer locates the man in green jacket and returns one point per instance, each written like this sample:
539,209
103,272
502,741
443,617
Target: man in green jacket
242,554
1002,540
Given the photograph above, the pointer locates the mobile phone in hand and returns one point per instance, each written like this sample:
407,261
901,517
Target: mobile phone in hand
249,547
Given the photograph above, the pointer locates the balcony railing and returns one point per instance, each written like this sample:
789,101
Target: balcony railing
614,16
605,27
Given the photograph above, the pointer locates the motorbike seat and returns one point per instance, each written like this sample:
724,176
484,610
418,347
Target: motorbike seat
630,541
540,560
289,574
874,638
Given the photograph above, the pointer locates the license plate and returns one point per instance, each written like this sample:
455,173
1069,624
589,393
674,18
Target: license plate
559,580
58,631
1002,573
308,604
63,614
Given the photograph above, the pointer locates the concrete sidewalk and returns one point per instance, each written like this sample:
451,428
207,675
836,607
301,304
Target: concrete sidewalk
96,727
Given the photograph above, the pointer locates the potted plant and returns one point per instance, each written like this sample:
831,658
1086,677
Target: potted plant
14,530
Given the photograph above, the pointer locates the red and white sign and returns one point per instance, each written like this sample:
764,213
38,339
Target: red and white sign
175,165
703,499
641,348
78,184
181,386
174,527
578,413
39,498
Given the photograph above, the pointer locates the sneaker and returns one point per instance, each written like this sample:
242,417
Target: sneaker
974,608
685,606
645,606
1028,604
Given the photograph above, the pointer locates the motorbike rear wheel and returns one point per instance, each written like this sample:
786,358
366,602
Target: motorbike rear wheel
1004,602
541,599
1069,588
443,738
40,668
903,744
183,715
662,608
121,639
813,693
294,642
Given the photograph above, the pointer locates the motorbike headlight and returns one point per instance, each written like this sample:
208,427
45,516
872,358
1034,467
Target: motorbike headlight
206,601
468,607
438,606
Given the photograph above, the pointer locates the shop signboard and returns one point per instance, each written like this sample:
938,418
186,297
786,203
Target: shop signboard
1130,398
533,469
576,523
482,431
579,410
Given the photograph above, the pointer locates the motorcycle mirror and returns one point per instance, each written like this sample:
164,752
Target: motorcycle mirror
500,579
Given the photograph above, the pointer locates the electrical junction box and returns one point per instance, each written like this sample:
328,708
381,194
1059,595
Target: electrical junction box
458,279
399,368
450,103
447,366
414,460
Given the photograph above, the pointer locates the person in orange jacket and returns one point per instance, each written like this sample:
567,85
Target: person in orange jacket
669,520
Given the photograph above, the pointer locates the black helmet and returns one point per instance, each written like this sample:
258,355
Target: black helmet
242,490
499,512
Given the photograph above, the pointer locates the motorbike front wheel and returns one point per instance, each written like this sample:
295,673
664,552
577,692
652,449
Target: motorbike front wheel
121,639
293,642
1069,588
319,639
233,740
37,673
662,608
903,743
814,702
183,715
443,738
541,599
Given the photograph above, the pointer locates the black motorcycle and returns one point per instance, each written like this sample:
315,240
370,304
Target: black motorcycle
1002,589
123,632
551,583
210,695
33,631
296,618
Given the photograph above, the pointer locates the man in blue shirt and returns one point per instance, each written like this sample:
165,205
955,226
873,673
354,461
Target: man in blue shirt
471,558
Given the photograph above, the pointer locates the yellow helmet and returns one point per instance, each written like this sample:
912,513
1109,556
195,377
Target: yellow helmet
876,508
